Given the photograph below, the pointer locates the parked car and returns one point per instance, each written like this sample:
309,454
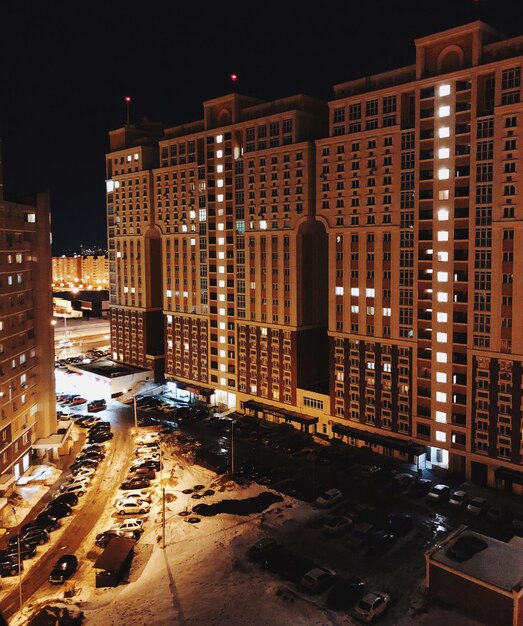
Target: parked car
102,539
97,405
135,483
143,472
83,463
359,512
402,480
318,579
27,550
379,542
130,524
47,520
337,525
465,548
9,566
517,522
344,593
261,549
329,498
146,438
368,471
438,493
360,534
147,450
371,606
140,495
155,465
100,437
63,569
84,471
477,506
69,498
398,524
34,534
132,507
78,489
94,447
71,480
419,488
58,509
499,515
458,499
78,400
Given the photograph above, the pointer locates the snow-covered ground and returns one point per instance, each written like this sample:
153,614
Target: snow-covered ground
202,576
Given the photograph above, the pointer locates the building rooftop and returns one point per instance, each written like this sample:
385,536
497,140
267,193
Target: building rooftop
500,564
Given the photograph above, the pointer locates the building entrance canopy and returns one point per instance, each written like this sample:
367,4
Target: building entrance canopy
401,445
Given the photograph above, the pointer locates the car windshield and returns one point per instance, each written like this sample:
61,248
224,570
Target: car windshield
365,606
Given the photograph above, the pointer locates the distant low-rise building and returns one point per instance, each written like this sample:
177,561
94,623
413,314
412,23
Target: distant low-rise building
80,272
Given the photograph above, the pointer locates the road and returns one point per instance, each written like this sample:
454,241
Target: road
85,515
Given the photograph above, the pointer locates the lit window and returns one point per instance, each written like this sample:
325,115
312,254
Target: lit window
443,132
219,138
109,185
441,296
443,153
441,337
129,157
441,396
169,319
441,436
441,416
443,215
370,310
223,354
442,277
219,197
169,293
219,169
339,291
221,241
221,255
221,297
219,182
126,289
387,312
444,90
444,111
263,224
441,377
444,173
369,292
223,383
442,317
221,311
223,340
354,291
219,154
223,367
443,235
193,241
355,308
443,194
136,156
169,343
221,226
133,290
222,325
442,256
263,331
221,269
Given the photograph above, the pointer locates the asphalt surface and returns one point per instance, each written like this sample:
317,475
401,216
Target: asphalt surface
85,515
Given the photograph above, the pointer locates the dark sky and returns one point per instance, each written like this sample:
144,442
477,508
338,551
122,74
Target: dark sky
65,68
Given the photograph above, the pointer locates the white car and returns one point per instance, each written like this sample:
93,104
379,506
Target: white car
143,495
71,481
78,489
371,605
146,438
477,506
318,579
147,450
130,524
132,507
87,472
329,498
458,499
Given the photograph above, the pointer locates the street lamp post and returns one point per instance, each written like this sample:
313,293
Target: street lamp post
232,447
19,564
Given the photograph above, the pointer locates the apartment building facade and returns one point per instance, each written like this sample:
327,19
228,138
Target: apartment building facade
27,393
390,241
81,272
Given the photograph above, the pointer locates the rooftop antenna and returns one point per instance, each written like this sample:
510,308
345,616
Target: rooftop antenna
128,106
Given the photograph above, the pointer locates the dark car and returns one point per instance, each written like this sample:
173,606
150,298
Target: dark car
100,437
155,465
92,454
9,566
465,548
68,498
142,472
380,542
27,550
96,405
83,463
63,569
35,535
58,509
261,549
296,566
420,488
345,593
102,539
48,521
94,447
399,524
135,483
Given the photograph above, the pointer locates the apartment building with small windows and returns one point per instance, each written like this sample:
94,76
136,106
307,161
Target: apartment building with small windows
82,272
28,423
358,280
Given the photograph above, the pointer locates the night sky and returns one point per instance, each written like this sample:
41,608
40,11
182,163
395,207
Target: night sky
65,68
